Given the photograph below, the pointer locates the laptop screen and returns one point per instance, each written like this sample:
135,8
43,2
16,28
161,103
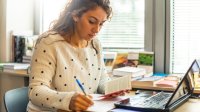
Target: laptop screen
186,85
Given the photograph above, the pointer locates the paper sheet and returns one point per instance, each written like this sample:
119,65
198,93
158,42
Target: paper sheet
104,105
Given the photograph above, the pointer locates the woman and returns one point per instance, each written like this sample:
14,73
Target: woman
69,51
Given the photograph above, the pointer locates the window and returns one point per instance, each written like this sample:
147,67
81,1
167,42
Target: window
185,34
51,10
124,31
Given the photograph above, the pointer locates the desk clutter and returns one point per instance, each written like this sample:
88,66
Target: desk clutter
163,101
166,80
17,68
22,47
143,60
140,66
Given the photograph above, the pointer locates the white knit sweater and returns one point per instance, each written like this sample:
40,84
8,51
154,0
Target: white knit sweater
55,66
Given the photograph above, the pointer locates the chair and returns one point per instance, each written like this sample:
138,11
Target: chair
16,100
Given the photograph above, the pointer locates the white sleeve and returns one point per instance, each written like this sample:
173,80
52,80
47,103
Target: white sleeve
104,76
43,69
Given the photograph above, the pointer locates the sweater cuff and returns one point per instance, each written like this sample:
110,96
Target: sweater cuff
66,100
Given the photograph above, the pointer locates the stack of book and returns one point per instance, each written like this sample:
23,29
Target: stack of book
145,60
133,71
19,44
26,59
146,81
169,81
18,68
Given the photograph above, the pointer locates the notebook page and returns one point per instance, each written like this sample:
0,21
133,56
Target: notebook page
104,105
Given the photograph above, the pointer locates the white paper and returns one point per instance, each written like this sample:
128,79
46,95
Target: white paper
104,105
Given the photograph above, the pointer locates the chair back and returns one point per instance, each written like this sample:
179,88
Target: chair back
16,100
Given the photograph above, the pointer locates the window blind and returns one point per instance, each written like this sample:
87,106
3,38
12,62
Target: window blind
125,31
185,34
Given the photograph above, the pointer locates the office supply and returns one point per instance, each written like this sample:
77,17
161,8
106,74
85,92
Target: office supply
163,101
80,85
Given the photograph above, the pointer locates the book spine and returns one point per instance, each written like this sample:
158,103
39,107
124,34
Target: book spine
19,48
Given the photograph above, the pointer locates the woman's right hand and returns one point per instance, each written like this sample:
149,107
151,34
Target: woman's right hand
80,102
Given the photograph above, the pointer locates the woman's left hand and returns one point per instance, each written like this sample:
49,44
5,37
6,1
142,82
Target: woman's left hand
116,94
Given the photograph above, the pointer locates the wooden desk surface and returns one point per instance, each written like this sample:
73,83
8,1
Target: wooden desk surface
192,105
196,91
15,74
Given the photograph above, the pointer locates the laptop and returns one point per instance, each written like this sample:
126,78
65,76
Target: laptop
163,101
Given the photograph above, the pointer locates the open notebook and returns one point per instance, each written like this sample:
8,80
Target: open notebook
164,101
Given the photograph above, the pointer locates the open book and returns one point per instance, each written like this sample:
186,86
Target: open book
117,85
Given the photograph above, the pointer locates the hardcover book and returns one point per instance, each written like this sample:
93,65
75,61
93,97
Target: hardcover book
109,58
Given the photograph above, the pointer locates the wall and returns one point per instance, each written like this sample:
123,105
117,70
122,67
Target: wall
17,16
2,28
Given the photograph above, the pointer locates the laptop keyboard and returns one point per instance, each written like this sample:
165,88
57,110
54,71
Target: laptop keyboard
156,101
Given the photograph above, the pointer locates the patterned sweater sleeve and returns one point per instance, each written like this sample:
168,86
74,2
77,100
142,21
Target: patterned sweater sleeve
41,92
104,76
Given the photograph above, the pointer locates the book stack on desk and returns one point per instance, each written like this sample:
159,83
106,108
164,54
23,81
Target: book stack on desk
146,81
1,67
18,68
133,71
169,81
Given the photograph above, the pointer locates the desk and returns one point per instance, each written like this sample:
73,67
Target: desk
196,91
192,105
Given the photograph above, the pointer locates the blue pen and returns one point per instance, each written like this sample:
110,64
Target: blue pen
80,85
